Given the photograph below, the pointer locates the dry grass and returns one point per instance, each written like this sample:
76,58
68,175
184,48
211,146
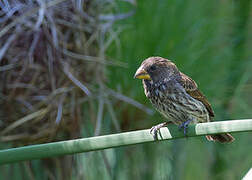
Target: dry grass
52,62
52,57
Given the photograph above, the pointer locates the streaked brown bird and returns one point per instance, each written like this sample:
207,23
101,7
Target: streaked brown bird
176,96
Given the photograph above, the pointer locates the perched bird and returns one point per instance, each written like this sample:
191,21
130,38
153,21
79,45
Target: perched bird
176,96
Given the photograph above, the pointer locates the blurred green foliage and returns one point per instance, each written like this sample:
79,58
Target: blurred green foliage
209,41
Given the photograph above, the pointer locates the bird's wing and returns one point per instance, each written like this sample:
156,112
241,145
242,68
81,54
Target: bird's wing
192,89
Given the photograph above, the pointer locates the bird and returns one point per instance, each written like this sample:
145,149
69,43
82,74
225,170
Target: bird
176,96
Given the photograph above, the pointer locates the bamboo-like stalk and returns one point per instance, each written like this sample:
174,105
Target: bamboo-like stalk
120,139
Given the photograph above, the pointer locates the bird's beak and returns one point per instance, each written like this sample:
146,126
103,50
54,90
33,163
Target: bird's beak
142,74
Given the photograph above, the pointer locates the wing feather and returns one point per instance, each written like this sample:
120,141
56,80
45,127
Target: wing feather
192,89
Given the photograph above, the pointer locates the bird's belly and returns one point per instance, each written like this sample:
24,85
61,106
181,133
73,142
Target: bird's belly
180,107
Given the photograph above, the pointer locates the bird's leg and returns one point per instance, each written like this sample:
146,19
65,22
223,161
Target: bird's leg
184,125
154,130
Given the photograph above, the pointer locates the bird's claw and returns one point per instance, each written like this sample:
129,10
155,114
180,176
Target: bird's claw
184,125
155,129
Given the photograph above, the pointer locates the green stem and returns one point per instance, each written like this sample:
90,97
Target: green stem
117,140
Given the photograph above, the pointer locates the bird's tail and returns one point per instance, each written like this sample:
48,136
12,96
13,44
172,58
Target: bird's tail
222,138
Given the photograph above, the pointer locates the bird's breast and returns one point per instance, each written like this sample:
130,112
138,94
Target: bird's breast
171,100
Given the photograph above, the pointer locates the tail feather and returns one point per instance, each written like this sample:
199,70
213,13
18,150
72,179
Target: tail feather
222,138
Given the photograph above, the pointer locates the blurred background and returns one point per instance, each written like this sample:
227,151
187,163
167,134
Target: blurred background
67,68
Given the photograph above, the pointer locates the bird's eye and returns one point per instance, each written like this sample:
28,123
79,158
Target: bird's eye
153,68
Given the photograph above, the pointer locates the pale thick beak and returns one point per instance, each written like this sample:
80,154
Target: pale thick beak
142,74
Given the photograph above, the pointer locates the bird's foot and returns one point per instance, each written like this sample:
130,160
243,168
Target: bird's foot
155,129
184,125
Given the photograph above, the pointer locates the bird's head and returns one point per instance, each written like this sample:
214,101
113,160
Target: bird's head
156,69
